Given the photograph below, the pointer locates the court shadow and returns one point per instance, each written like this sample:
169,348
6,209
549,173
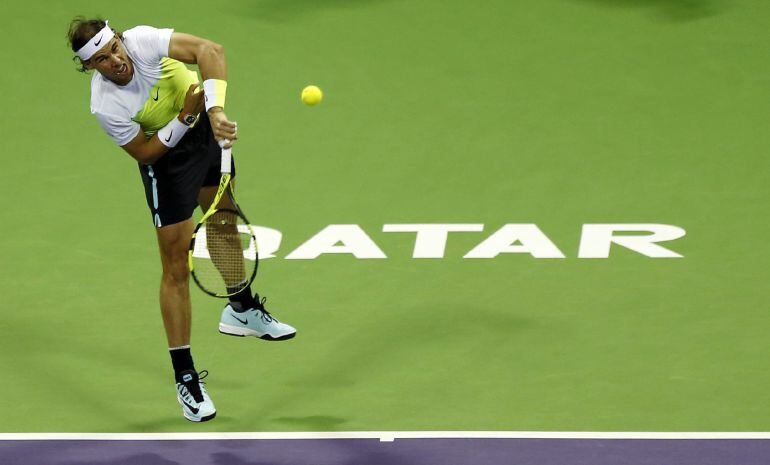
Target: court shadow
154,425
284,11
171,423
407,339
313,422
669,10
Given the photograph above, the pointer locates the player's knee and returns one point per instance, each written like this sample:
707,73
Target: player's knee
175,267
178,273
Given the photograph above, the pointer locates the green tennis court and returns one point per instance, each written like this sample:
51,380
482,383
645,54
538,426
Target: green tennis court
558,113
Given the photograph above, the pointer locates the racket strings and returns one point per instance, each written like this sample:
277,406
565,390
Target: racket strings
225,247
223,259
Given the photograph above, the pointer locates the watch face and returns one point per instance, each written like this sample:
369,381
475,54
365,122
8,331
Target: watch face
189,119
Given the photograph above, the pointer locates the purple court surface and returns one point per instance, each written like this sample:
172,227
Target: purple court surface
448,451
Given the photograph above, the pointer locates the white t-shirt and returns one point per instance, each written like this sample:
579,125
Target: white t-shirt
155,93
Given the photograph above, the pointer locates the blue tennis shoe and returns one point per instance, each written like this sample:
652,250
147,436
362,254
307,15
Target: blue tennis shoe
257,322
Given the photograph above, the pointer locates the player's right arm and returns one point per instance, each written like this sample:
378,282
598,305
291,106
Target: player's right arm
148,151
145,151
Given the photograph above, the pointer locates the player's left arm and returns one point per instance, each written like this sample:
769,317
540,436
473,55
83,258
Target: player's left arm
210,58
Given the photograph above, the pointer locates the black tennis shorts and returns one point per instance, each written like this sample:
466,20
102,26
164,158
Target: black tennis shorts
172,183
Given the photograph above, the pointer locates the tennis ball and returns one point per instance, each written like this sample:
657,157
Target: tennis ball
312,95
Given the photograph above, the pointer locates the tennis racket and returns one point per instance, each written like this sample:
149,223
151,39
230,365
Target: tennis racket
223,256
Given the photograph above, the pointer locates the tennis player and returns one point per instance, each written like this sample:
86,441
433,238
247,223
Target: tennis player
149,103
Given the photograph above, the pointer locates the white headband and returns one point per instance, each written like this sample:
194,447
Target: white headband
98,41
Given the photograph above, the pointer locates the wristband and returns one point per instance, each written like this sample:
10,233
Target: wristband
172,133
214,91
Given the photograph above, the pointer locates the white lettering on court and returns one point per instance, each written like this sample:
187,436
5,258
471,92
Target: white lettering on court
268,241
353,241
431,238
530,240
596,239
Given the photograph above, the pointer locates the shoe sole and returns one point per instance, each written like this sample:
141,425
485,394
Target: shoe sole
200,420
242,332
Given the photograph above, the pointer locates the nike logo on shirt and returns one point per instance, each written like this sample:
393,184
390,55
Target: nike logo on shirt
157,94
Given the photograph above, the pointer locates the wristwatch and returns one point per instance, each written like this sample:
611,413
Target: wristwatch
189,119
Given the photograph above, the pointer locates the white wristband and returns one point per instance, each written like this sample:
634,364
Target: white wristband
172,133
214,91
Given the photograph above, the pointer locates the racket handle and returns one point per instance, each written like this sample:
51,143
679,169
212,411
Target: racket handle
227,157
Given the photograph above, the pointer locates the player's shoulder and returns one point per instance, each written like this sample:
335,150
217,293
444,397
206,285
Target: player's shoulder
138,32
147,44
143,35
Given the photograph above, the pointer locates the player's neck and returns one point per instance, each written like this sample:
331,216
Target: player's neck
121,82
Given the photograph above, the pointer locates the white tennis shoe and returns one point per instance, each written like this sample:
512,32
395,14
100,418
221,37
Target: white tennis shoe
192,396
256,322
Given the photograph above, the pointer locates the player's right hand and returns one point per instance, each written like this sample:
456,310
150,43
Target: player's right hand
222,127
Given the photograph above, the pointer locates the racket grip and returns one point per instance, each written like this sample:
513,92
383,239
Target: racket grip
227,157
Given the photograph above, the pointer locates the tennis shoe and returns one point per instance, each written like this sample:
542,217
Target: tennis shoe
192,396
257,322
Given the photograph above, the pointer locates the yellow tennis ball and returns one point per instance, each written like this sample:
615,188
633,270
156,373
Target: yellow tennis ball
311,95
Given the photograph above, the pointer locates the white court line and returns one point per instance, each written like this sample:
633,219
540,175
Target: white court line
385,436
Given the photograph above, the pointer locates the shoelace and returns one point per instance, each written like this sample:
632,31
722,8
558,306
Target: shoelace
191,388
201,376
264,315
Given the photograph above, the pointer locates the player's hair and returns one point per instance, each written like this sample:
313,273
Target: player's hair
82,30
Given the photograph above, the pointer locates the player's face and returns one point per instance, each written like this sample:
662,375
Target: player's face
113,62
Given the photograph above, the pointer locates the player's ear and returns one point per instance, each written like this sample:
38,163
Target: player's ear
86,64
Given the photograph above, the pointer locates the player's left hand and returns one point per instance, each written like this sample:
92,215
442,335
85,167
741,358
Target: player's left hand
222,127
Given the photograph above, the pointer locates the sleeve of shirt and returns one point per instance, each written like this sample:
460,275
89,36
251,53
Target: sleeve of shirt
122,131
152,43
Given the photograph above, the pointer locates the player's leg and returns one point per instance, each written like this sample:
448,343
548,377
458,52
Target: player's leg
225,247
172,185
173,242
171,197
207,193
223,240
245,314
